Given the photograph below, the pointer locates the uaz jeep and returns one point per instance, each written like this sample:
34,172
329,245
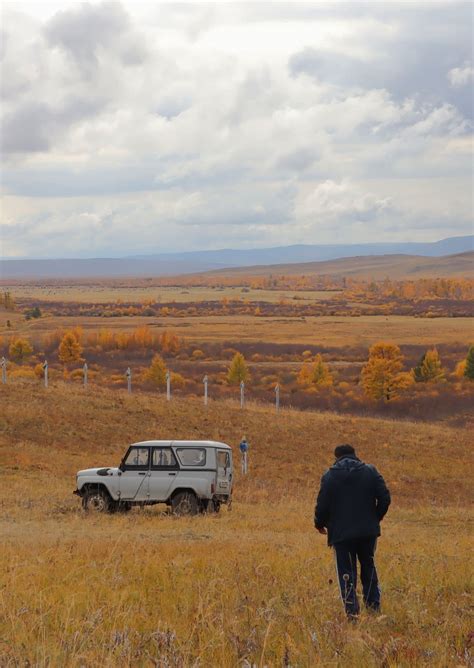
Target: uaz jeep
189,476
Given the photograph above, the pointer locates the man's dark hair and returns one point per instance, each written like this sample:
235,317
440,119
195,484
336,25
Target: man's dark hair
344,451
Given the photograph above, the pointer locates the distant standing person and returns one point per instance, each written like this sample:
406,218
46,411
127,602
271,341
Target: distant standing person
244,451
352,501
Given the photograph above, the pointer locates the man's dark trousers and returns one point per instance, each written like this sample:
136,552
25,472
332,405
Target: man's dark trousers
347,554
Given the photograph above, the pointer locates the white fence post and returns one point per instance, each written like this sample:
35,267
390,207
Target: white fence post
205,380
242,394
4,371
45,370
84,370
128,376
168,385
277,397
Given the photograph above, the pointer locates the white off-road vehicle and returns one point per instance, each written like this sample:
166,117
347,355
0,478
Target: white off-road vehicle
189,476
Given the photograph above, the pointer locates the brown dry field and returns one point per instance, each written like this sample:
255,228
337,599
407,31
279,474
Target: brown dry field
333,331
251,587
107,293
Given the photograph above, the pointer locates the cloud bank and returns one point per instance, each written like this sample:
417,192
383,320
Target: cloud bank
130,128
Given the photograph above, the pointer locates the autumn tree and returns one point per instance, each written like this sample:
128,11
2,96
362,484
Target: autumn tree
460,369
382,376
429,368
238,370
7,300
156,373
316,373
70,349
169,343
469,369
417,370
20,349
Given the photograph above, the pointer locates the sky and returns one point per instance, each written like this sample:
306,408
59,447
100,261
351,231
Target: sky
133,127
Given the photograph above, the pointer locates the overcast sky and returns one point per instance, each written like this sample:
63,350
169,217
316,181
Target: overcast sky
138,128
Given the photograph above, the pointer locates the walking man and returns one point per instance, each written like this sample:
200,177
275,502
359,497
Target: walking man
352,501
244,449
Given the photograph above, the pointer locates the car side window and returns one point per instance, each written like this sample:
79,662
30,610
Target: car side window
192,456
163,458
137,459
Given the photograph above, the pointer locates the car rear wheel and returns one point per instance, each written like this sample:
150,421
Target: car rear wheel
96,501
211,506
184,503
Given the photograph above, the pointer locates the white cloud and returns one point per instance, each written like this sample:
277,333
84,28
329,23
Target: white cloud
344,202
240,122
461,76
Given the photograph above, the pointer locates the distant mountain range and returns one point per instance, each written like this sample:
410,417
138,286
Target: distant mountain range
169,264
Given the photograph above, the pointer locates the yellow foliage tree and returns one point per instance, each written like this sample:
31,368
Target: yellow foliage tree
238,370
460,370
382,377
70,349
20,349
317,373
430,369
156,374
321,376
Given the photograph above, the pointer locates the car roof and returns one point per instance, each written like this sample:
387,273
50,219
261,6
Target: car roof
186,444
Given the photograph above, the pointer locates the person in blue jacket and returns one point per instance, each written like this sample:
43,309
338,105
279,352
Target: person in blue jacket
244,449
352,501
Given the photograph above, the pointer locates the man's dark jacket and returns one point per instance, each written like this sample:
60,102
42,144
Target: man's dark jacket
352,500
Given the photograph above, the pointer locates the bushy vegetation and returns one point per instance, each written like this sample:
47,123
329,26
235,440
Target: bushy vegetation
378,380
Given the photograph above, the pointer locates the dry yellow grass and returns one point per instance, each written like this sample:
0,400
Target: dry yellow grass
253,585
325,330
104,294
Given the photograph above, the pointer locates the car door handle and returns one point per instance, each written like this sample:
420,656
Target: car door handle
141,472
174,473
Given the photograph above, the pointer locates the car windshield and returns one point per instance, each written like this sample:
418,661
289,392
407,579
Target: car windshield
192,456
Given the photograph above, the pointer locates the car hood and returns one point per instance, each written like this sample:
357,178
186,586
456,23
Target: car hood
101,471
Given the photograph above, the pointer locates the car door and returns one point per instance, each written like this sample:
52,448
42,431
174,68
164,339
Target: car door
163,472
224,472
133,480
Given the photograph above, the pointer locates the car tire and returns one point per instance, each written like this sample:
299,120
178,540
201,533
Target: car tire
211,506
96,501
184,503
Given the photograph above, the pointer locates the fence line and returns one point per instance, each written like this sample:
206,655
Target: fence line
128,378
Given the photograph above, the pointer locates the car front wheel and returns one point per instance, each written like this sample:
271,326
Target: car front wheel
96,501
184,503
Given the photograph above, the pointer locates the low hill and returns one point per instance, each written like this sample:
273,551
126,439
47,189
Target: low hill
375,266
166,264
254,586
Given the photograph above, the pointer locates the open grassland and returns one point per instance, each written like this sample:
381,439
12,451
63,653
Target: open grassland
137,292
254,586
330,331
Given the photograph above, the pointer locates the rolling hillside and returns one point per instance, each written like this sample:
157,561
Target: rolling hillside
171,264
254,586
375,266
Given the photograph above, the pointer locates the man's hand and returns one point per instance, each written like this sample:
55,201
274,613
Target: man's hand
322,530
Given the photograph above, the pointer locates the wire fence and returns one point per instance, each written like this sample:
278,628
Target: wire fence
128,377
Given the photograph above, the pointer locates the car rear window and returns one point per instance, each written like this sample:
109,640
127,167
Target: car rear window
192,456
223,459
